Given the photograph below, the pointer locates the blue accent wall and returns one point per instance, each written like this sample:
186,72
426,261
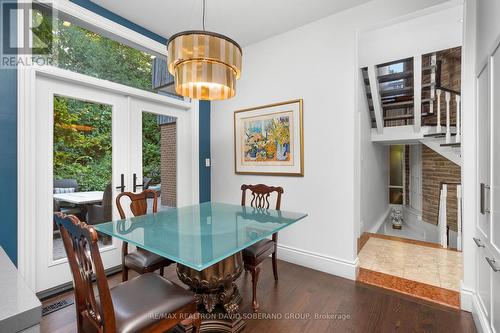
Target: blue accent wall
204,143
8,138
8,160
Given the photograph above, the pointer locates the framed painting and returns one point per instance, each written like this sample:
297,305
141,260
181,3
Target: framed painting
269,140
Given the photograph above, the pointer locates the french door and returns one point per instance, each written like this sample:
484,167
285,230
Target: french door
67,115
91,144
488,223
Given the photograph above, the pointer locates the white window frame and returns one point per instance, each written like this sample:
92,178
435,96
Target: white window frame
26,78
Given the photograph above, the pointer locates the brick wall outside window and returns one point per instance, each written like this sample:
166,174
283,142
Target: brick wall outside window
168,148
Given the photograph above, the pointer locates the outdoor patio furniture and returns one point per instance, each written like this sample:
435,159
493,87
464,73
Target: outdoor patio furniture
65,186
99,213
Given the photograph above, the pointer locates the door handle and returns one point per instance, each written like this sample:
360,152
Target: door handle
135,185
478,242
482,205
492,263
122,183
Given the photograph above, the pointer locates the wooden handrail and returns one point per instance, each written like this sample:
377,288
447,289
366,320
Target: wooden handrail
448,90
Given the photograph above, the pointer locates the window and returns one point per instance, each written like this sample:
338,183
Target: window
83,51
396,177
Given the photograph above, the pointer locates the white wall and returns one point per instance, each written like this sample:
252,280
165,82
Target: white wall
488,27
316,62
420,35
469,156
374,159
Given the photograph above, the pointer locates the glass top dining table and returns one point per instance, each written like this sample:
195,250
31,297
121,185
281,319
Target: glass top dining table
199,236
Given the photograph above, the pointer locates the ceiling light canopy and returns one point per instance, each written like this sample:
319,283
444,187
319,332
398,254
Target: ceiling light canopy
205,64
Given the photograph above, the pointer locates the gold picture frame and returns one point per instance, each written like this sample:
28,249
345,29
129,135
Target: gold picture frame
269,139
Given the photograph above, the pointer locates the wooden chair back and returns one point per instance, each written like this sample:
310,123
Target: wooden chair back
138,202
138,206
80,243
260,195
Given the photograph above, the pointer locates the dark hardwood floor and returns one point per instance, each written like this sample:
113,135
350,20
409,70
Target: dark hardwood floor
305,300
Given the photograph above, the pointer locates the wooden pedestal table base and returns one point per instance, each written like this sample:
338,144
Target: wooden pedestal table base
216,294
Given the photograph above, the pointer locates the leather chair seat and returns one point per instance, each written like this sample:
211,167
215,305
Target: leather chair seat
140,260
145,300
258,248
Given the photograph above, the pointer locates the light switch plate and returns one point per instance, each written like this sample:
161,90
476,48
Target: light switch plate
207,162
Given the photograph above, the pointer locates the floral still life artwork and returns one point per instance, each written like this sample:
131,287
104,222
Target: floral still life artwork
269,139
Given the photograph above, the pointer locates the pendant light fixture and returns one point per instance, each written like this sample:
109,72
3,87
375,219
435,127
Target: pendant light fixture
205,64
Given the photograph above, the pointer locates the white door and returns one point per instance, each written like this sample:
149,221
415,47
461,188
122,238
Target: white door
416,177
75,123
494,243
483,270
483,151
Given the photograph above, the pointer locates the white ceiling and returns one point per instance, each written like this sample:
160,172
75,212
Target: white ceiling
246,21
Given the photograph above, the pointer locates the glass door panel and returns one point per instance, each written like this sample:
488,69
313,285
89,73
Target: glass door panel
82,164
159,157
154,135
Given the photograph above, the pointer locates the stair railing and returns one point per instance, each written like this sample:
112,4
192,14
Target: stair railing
458,125
444,237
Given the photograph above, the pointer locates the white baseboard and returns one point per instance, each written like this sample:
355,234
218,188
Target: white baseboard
374,229
482,324
319,262
466,295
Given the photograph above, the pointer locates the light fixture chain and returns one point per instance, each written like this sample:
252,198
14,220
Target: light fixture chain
204,6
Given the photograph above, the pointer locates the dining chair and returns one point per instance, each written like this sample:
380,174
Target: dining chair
147,303
254,255
141,261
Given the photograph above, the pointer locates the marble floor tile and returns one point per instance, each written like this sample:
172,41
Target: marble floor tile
418,262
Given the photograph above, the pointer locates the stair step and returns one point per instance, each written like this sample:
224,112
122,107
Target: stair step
396,92
443,124
397,105
395,76
452,144
437,135
428,68
399,117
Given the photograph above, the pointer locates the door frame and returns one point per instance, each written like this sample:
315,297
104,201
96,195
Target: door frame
415,163
26,140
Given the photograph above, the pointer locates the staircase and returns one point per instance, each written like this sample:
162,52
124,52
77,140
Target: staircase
408,104
447,143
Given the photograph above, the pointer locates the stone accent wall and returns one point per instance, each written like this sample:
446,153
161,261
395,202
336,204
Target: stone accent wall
437,169
168,143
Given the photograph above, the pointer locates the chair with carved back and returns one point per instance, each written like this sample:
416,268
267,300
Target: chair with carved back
141,261
254,255
147,303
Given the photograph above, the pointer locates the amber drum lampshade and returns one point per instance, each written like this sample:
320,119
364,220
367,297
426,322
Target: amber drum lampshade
205,64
